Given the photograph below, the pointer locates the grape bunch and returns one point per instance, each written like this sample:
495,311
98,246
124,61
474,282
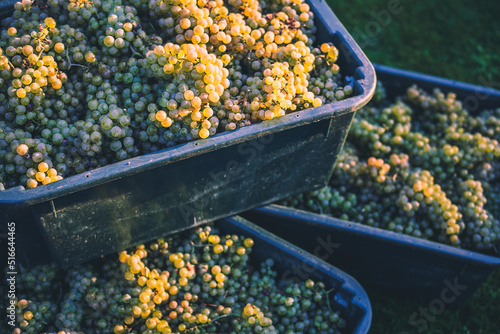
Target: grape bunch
421,165
86,83
36,290
199,281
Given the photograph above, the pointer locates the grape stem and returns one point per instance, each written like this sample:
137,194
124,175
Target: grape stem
213,320
71,64
328,299
135,53
198,245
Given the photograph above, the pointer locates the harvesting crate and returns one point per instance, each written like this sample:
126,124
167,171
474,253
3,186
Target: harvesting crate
109,208
293,263
385,259
381,259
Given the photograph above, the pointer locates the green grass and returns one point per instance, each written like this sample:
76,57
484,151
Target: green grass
479,315
459,40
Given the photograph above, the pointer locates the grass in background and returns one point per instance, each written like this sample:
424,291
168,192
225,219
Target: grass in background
459,40
479,315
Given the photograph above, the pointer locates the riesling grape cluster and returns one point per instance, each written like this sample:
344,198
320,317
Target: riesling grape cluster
199,281
86,83
421,165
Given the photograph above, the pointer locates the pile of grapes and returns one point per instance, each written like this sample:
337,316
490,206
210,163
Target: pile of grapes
421,165
86,83
197,282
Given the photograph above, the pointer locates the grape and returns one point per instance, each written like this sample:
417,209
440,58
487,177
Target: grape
155,72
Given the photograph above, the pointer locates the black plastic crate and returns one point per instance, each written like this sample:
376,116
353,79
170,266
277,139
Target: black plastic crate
348,297
382,259
112,207
291,263
474,97
385,259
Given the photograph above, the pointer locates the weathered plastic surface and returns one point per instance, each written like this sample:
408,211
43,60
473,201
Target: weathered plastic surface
293,263
107,209
383,259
